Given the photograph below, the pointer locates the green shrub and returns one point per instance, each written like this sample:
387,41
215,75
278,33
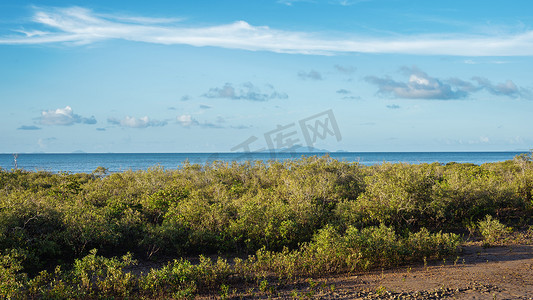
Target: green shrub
12,280
96,275
492,230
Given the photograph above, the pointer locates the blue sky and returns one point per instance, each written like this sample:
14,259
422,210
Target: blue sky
206,76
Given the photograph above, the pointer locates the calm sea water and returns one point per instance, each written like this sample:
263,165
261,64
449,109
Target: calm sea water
116,162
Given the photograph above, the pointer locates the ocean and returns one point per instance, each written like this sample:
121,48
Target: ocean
116,162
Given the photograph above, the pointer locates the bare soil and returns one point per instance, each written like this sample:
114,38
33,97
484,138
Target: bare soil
502,272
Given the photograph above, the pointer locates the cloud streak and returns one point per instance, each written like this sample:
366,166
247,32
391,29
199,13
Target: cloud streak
29,127
133,122
78,26
508,88
345,69
246,91
313,75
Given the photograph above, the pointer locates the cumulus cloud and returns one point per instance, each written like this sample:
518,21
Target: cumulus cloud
314,75
422,86
64,117
28,127
133,122
186,120
80,26
419,86
245,91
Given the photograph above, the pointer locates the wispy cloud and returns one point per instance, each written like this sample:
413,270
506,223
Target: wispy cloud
351,98
28,127
331,2
349,2
345,69
245,91
422,86
475,62
507,88
313,75
393,106
43,142
188,121
133,122
291,2
63,117
78,26
343,92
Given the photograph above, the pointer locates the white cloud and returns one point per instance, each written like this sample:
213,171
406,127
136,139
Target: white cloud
186,120
419,86
63,116
82,26
422,86
133,122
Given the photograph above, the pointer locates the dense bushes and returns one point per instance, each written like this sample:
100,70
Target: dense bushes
329,252
297,217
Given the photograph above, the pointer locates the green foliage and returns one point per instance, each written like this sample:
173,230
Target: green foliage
492,230
302,217
12,281
355,250
97,275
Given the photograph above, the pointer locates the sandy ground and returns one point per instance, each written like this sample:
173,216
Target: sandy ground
501,272
478,273
504,272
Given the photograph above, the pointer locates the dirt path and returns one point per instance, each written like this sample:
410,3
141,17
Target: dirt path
477,273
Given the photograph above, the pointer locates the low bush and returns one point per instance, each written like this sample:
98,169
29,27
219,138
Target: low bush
492,230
